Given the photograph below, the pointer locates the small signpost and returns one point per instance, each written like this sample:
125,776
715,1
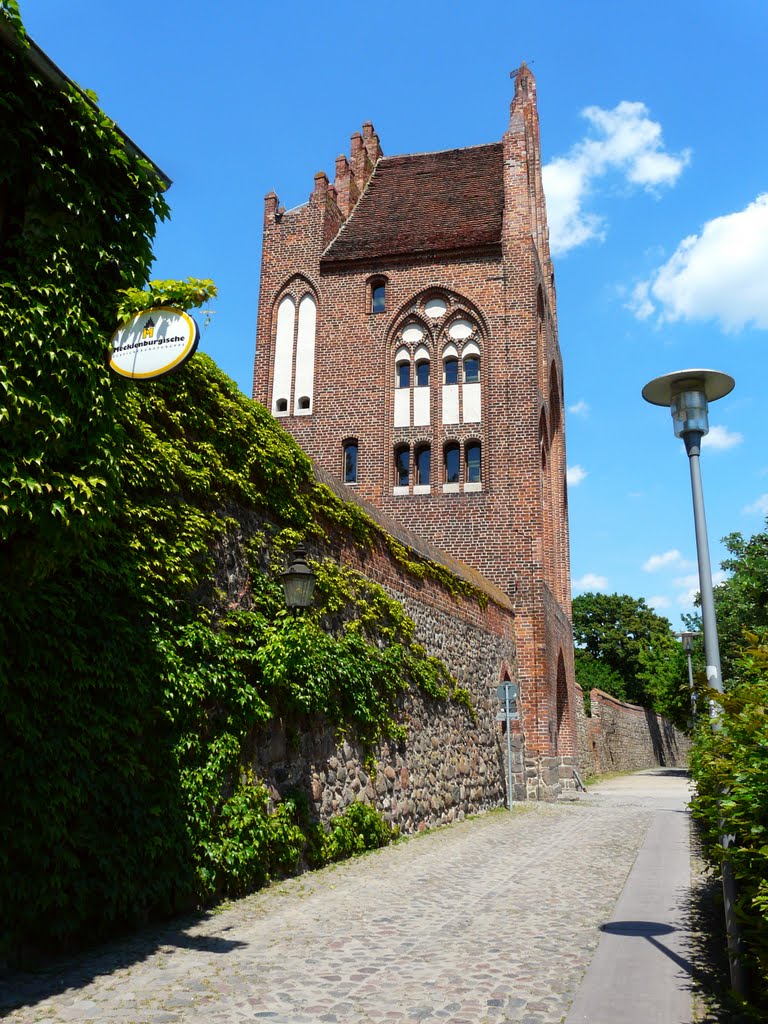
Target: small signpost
153,343
508,693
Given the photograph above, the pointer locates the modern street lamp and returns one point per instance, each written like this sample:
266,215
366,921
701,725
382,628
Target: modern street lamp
687,638
298,581
687,393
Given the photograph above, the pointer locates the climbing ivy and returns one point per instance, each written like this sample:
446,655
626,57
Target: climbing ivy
134,674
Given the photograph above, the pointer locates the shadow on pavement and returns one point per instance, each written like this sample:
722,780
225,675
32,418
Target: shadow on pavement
648,930
52,976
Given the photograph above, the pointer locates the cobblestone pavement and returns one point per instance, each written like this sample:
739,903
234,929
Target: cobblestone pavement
490,920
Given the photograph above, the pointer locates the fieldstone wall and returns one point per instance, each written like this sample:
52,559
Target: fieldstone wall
448,767
621,737
452,762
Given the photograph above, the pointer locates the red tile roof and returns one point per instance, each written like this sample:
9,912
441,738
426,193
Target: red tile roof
426,202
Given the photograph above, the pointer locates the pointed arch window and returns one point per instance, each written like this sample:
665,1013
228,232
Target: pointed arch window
293,370
282,374
305,355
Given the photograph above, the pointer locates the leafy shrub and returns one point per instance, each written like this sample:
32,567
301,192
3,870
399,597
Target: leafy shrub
730,768
247,843
359,828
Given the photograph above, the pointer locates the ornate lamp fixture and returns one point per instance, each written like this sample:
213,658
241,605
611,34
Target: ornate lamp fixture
298,581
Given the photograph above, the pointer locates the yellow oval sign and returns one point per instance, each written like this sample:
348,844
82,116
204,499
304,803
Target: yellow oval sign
153,343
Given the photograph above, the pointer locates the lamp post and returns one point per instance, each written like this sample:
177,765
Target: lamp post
687,638
298,581
687,394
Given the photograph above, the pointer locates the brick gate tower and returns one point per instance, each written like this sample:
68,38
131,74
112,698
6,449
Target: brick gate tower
407,337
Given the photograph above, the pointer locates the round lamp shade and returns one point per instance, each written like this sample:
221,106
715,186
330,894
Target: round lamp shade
661,390
688,393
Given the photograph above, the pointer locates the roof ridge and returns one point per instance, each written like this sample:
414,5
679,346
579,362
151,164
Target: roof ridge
437,152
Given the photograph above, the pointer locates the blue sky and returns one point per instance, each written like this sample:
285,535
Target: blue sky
653,135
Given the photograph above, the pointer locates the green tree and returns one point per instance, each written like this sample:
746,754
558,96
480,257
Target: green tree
626,649
741,602
595,674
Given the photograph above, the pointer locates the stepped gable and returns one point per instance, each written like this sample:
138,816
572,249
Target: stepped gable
426,203
413,540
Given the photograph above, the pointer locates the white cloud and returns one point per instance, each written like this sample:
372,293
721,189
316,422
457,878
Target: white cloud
659,601
721,438
690,587
691,580
579,408
758,507
669,558
640,303
590,581
628,142
719,274
574,475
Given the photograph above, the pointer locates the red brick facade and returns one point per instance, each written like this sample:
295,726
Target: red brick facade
466,229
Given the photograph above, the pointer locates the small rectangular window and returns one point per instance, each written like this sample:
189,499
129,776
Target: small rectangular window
451,371
422,466
350,462
471,370
422,374
452,464
473,463
378,298
403,375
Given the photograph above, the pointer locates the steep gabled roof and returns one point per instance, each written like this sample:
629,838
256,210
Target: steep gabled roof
426,202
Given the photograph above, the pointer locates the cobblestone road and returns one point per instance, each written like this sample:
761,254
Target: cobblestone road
489,920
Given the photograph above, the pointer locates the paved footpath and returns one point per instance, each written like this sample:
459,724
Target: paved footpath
490,920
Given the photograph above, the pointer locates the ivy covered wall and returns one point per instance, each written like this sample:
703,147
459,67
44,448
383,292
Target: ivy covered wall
133,679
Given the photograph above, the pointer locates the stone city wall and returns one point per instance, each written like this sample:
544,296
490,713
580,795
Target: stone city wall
451,763
621,737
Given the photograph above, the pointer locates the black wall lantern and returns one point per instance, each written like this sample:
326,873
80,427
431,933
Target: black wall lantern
299,581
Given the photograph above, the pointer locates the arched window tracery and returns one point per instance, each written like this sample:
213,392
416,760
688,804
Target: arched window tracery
293,368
